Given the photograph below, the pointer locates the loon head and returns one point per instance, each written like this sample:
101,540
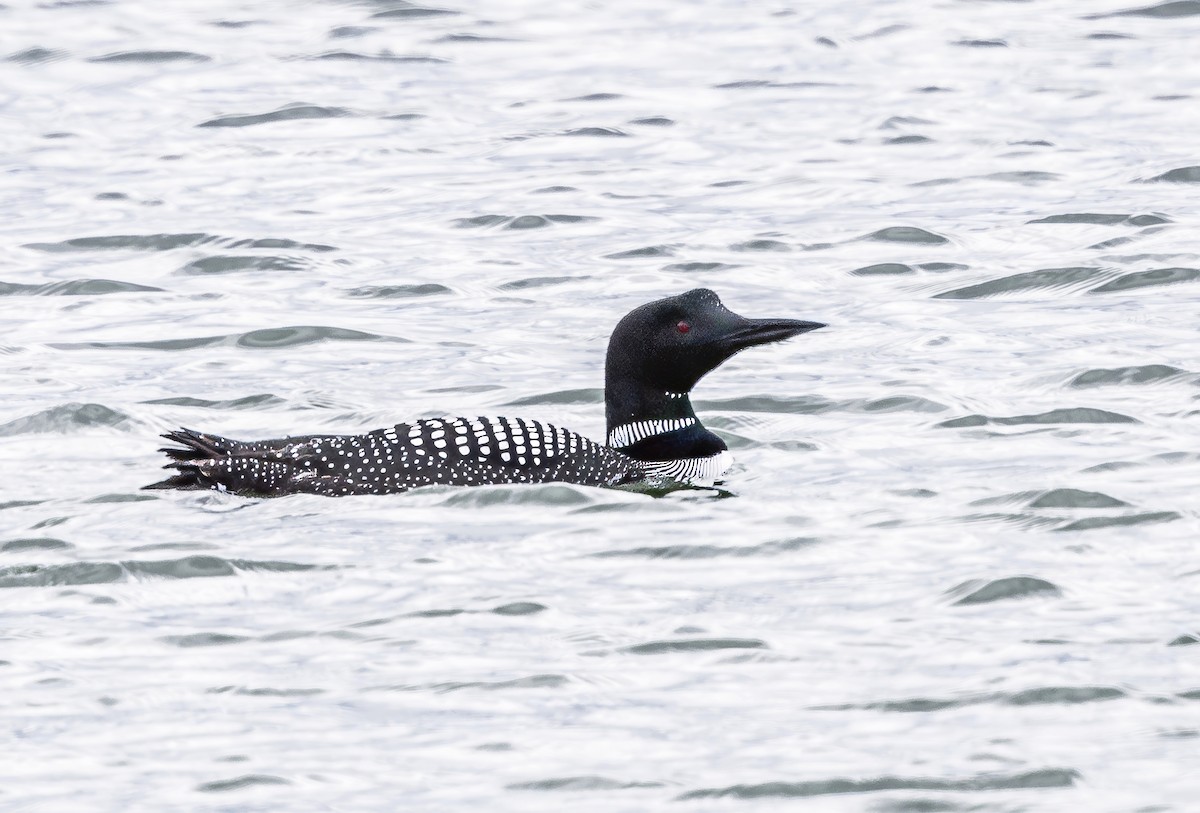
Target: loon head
656,355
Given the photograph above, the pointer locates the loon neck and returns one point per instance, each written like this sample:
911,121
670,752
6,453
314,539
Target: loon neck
659,425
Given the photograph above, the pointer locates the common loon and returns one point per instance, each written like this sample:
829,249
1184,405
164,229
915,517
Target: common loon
656,355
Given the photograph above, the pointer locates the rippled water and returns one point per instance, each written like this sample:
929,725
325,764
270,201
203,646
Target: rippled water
956,565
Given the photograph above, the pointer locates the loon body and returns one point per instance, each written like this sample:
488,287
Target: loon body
656,355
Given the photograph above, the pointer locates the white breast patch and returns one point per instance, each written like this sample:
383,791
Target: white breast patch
696,471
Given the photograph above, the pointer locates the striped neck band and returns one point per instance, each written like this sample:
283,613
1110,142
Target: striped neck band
630,433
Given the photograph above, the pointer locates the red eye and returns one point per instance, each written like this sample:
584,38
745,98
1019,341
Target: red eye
683,327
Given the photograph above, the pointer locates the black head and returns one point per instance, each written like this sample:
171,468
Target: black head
671,343
668,345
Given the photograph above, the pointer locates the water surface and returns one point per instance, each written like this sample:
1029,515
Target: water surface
954,568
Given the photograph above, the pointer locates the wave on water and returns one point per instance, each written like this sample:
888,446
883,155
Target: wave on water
520,222
291,112
172,241
1044,778
74,287
151,57
67,418
1065,415
263,339
189,567
980,591
1046,279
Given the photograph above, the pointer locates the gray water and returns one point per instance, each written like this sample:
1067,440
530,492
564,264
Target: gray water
954,567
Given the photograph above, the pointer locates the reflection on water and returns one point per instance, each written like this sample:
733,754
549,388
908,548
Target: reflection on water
953,567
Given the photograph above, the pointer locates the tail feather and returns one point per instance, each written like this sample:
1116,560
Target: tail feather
187,479
182,455
207,461
197,447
